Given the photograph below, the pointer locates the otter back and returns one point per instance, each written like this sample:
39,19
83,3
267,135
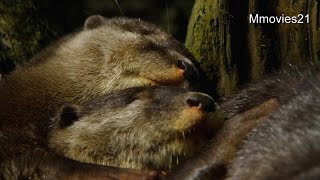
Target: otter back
283,94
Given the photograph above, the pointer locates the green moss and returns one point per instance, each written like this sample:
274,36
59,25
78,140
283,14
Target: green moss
208,38
22,31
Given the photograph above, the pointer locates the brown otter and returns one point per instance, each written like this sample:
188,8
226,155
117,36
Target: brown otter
108,55
144,128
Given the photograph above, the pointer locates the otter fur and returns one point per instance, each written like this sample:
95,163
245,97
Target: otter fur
245,110
286,145
107,55
143,128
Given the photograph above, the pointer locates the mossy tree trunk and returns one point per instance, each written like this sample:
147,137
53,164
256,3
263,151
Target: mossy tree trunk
298,42
209,39
22,32
232,51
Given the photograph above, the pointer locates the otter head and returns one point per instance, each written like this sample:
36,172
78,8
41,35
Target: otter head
118,53
145,128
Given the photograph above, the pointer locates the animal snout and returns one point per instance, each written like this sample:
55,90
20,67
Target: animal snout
190,72
201,101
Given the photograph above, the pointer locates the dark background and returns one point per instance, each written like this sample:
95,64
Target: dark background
68,15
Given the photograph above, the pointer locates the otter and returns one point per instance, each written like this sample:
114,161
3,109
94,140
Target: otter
242,112
150,128
142,127
108,55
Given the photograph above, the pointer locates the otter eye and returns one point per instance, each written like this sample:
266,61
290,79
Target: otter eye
193,102
68,115
180,64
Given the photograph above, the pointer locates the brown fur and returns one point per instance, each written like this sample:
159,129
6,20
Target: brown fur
144,128
104,57
224,147
91,63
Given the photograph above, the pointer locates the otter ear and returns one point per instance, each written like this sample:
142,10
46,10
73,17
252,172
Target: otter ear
94,21
68,115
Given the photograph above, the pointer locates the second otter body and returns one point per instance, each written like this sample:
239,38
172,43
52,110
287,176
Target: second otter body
275,107
286,145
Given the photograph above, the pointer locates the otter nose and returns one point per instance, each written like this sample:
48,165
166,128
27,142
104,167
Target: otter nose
202,101
190,72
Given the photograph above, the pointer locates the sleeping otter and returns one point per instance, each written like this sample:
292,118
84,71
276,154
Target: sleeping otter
144,128
108,55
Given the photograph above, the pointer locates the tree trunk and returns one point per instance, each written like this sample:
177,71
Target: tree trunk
297,41
232,51
257,43
209,40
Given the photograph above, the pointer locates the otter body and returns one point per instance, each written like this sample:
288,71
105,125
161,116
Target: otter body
286,145
282,86
144,128
248,108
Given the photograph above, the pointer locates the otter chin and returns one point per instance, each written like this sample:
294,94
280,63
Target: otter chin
180,145
142,128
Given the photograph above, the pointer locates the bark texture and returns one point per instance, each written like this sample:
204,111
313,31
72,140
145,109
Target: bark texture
209,39
232,51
